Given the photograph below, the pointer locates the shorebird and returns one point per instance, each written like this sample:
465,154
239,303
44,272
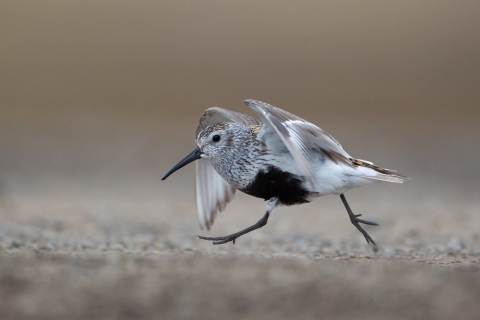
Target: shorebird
282,158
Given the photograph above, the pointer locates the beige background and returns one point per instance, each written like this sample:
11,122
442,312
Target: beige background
98,99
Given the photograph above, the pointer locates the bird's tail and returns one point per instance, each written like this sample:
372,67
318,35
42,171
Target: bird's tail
382,174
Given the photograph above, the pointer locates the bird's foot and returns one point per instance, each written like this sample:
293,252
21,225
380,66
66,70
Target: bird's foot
221,240
364,221
355,221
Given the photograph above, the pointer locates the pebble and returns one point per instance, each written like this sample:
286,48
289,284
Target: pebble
454,245
187,246
389,251
15,244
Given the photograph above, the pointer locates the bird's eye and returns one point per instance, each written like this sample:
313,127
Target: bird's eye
216,138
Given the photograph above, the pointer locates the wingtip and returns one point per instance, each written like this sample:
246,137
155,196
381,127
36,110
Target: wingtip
250,102
204,225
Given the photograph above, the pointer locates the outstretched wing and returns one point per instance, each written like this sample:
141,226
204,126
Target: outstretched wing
303,139
281,128
213,193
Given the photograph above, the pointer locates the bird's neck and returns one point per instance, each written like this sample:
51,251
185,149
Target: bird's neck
238,166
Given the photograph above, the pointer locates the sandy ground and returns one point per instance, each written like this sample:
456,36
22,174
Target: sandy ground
118,267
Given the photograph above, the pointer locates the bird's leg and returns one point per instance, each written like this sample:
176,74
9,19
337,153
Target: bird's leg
355,221
232,237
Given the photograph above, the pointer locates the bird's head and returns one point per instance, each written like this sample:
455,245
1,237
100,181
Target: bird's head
213,143
217,140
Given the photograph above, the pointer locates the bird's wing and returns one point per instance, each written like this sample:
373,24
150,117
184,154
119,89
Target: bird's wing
303,139
217,115
213,193
282,129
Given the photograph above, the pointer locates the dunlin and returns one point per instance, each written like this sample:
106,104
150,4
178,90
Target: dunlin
282,159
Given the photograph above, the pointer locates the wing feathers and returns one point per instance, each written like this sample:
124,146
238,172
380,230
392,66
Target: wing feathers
303,139
299,136
213,193
216,115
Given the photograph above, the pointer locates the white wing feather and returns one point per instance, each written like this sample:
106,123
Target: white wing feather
213,193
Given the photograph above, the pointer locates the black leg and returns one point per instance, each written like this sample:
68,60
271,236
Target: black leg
233,236
355,221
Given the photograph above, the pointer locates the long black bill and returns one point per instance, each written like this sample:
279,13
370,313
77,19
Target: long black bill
194,155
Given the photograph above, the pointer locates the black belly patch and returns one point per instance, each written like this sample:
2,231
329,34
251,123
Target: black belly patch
274,182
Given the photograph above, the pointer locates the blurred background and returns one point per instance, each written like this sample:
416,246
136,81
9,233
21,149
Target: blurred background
98,99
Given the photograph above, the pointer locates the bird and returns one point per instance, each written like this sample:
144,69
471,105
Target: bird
282,159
